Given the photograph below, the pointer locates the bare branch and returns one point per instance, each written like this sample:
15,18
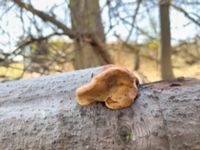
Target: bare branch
101,48
46,17
134,19
32,40
186,14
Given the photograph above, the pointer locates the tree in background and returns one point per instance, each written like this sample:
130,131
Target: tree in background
87,31
165,41
133,24
89,43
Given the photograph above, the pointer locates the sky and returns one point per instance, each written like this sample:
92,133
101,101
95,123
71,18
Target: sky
181,28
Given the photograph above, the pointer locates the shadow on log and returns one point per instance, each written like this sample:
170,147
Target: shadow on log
42,113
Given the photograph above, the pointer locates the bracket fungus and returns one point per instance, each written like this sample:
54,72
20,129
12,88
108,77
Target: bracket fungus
116,86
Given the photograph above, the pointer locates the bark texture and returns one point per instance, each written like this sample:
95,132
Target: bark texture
42,113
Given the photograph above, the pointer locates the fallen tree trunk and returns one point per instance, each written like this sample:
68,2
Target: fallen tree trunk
42,113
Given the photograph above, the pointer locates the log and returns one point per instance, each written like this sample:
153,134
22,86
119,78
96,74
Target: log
42,113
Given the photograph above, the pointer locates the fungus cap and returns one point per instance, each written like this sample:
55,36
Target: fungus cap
116,86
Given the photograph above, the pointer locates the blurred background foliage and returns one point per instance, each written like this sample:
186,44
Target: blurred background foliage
158,39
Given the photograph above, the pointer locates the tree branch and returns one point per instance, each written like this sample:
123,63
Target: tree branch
95,41
186,14
32,40
134,19
46,17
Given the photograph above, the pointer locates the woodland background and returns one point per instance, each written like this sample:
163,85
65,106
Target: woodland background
159,39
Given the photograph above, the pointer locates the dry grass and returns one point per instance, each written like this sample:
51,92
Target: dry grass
149,67
124,56
13,71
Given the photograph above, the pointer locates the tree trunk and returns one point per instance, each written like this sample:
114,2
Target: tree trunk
86,20
166,65
137,60
87,31
42,113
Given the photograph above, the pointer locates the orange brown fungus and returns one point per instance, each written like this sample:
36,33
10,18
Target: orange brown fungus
115,86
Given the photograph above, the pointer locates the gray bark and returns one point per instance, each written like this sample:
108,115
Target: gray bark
42,113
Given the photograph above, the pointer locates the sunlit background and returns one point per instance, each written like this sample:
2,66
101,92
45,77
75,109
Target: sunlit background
31,46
